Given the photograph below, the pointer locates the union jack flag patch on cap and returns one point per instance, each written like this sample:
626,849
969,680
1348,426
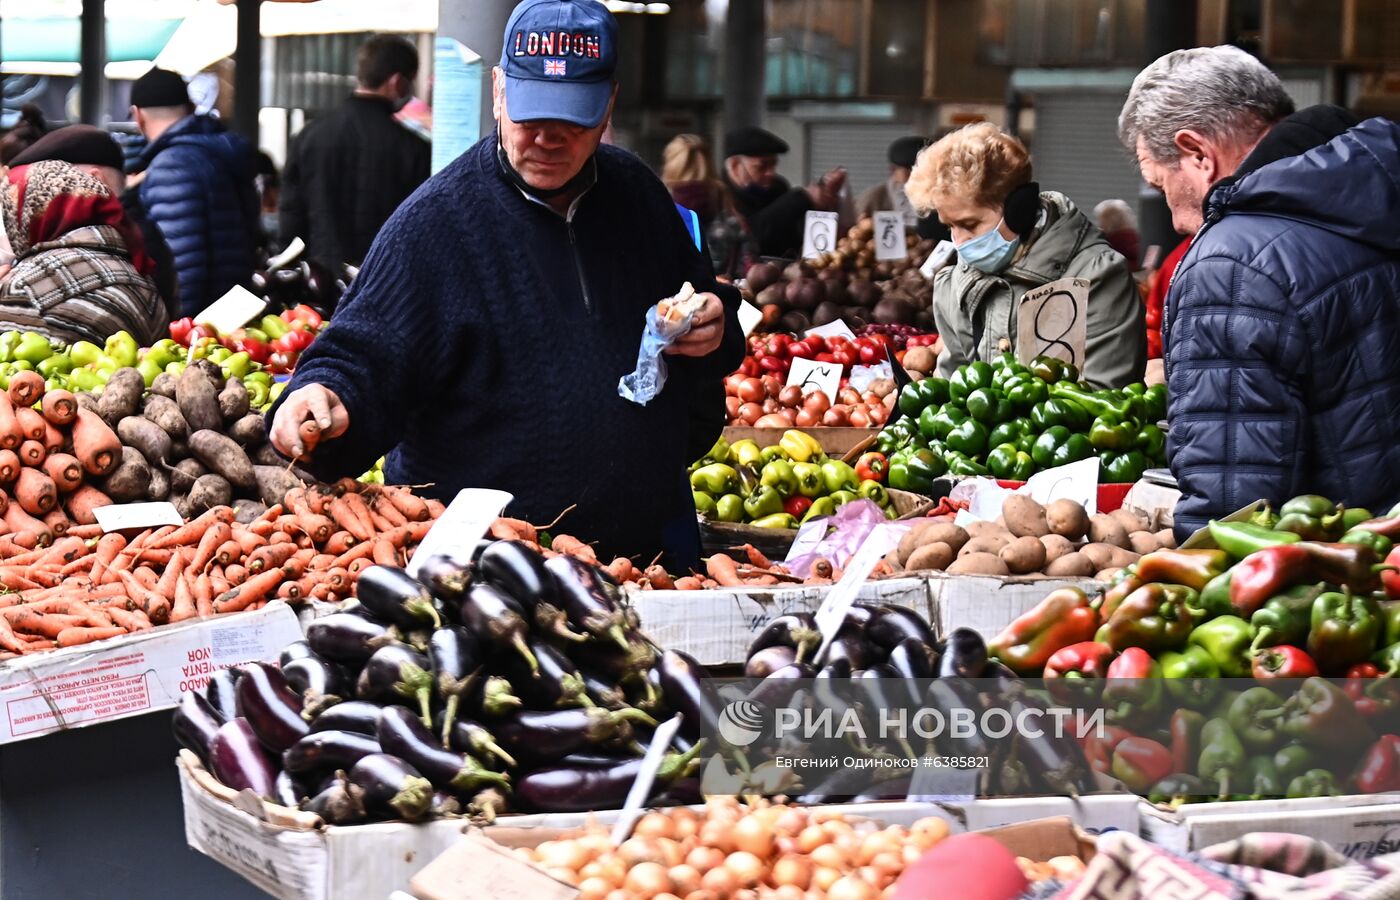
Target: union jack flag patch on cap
554,67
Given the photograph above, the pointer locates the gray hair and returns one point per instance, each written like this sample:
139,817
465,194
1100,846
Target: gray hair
1221,92
1114,215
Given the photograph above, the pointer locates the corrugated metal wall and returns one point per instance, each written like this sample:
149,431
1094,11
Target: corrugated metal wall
862,147
1076,149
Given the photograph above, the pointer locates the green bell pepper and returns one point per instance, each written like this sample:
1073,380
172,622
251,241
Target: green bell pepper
765,501
1293,760
704,504
1072,450
1221,754
1155,617
1112,433
821,507
1009,432
1390,622
1346,628
1286,618
1377,542
958,464
1192,676
988,407
59,364
942,423
914,470
1156,402
10,339
730,508
120,348
1262,780
33,348
740,453
1227,640
772,452
808,479
914,399
1320,714
967,379
1256,717
1008,463
1043,450
1056,411
1353,516
1313,783
81,380
1024,395
780,476
257,393
147,367
776,520
1094,403
874,490
1122,468
968,438
838,476
1051,370
716,478
1151,442
842,497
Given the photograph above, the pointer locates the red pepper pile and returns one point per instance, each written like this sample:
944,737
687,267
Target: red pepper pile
276,344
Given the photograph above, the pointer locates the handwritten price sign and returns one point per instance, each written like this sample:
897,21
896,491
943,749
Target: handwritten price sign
818,233
889,236
1051,321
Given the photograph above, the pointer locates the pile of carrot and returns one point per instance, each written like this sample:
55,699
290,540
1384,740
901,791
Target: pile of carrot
89,586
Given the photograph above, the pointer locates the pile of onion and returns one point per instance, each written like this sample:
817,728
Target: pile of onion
765,402
732,851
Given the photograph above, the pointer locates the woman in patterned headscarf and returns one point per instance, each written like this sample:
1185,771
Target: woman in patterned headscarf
79,269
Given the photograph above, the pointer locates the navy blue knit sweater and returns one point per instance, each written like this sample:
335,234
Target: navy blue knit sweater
467,350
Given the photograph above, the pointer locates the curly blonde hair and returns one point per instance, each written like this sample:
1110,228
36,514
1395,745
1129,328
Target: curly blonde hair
979,162
686,158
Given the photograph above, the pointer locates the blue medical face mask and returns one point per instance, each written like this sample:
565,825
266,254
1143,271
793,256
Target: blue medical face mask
990,252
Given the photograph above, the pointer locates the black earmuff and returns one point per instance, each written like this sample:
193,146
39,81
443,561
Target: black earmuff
1022,208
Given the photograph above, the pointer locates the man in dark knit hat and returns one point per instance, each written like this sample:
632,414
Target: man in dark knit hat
97,153
196,183
774,210
888,195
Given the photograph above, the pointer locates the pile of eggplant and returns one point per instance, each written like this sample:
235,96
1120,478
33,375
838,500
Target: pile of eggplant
901,663
512,683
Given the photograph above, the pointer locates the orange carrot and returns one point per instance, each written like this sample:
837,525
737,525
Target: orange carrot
247,541
269,557
81,565
193,531
723,570
53,439
8,640
359,551
209,543
63,551
184,606
659,579
95,444
321,562
130,619
31,453
229,551
339,542
108,546
86,532
83,501
203,595
319,528
170,576
310,434
380,523
435,508
385,554
255,588
19,522
60,407
147,576
236,573
35,622
416,509
57,520
16,579
9,465
71,637
10,435
31,424
65,470
157,607
688,583
34,491
26,387
360,510
386,510
756,557
263,529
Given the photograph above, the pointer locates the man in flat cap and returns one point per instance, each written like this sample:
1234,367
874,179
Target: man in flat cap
97,153
774,210
888,196
197,186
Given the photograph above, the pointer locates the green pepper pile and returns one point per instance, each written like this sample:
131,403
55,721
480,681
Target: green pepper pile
783,485
1311,593
1010,420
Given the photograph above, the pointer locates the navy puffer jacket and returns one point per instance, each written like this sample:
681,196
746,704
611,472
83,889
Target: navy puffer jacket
198,189
1283,333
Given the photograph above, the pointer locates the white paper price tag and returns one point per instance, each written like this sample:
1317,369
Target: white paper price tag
294,249
646,776
749,317
811,375
818,233
231,311
889,236
1078,481
460,526
1051,321
122,516
942,255
836,328
840,598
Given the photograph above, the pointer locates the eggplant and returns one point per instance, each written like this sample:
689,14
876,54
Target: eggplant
554,685
398,674
195,723
601,691
591,602
777,689
998,670
826,693
446,579
535,738
489,804
857,617
688,689
878,683
445,806
393,595
270,707
474,738
294,650
1055,763
456,658
519,571
593,759
392,786
851,648
551,620
946,695
915,662
238,760
342,803
289,792
495,697
348,638
568,789
796,631
889,625
493,617
359,716
222,692
328,751
964,656
319,683
404,736
769,660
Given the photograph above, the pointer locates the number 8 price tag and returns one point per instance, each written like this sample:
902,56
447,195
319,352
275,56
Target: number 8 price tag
818,233
889,236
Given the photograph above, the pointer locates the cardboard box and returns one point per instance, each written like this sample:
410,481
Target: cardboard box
988,603
1154,502
717,626
836,442
1358,825
128,676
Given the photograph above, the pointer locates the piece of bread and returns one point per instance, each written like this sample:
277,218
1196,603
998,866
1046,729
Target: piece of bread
674,310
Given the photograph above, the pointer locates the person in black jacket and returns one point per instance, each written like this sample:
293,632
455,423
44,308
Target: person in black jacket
347,172
774,210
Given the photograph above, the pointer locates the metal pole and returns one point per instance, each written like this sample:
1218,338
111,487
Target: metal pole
744,64
1171,25
92,57
479,26
247,70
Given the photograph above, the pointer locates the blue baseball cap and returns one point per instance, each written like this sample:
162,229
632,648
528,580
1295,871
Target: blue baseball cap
559,57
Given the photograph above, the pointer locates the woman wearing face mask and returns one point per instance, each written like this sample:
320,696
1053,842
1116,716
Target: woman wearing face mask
1012,238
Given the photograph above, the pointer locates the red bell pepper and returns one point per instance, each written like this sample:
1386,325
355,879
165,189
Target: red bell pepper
778,344
1087,659
1379,770
1186,728
869,355
1390,578
773,364
825,357
1283,661
1370,691
1134,662
180,330
1099,743
816,342
872,466
1141,762
800,349
257,350
797,506
1063,618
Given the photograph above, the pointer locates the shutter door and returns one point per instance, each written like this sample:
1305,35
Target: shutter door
1076,149
862,147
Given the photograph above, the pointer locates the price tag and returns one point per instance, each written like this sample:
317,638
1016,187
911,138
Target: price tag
123,516
1078,481
749,317
1051,321
942,255
811,375
840,598
460,526
231,311
834,328
818,233
646,776
294,250
889,236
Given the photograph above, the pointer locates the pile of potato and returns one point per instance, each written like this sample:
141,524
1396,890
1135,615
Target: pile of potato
1058,541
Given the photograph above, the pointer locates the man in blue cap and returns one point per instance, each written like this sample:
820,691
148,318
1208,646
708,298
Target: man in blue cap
482,343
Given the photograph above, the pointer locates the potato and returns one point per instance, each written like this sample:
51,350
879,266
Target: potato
130,480
1056,545
936,557
166,413
146,436
1101,555
1071,565
209,491
164,385
978,564
1143,542
1108,530
198,400
121,396
954,536
250,430
1166,539
159,488
919,359
184,474
1025,554
892,560
991,543
1130,520
1068,519
1107,575
980,529
246,511
233,400
273,483
913,539
1024,517
221,454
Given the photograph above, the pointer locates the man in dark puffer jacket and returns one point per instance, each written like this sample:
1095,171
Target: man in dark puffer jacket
1282,326
198,188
